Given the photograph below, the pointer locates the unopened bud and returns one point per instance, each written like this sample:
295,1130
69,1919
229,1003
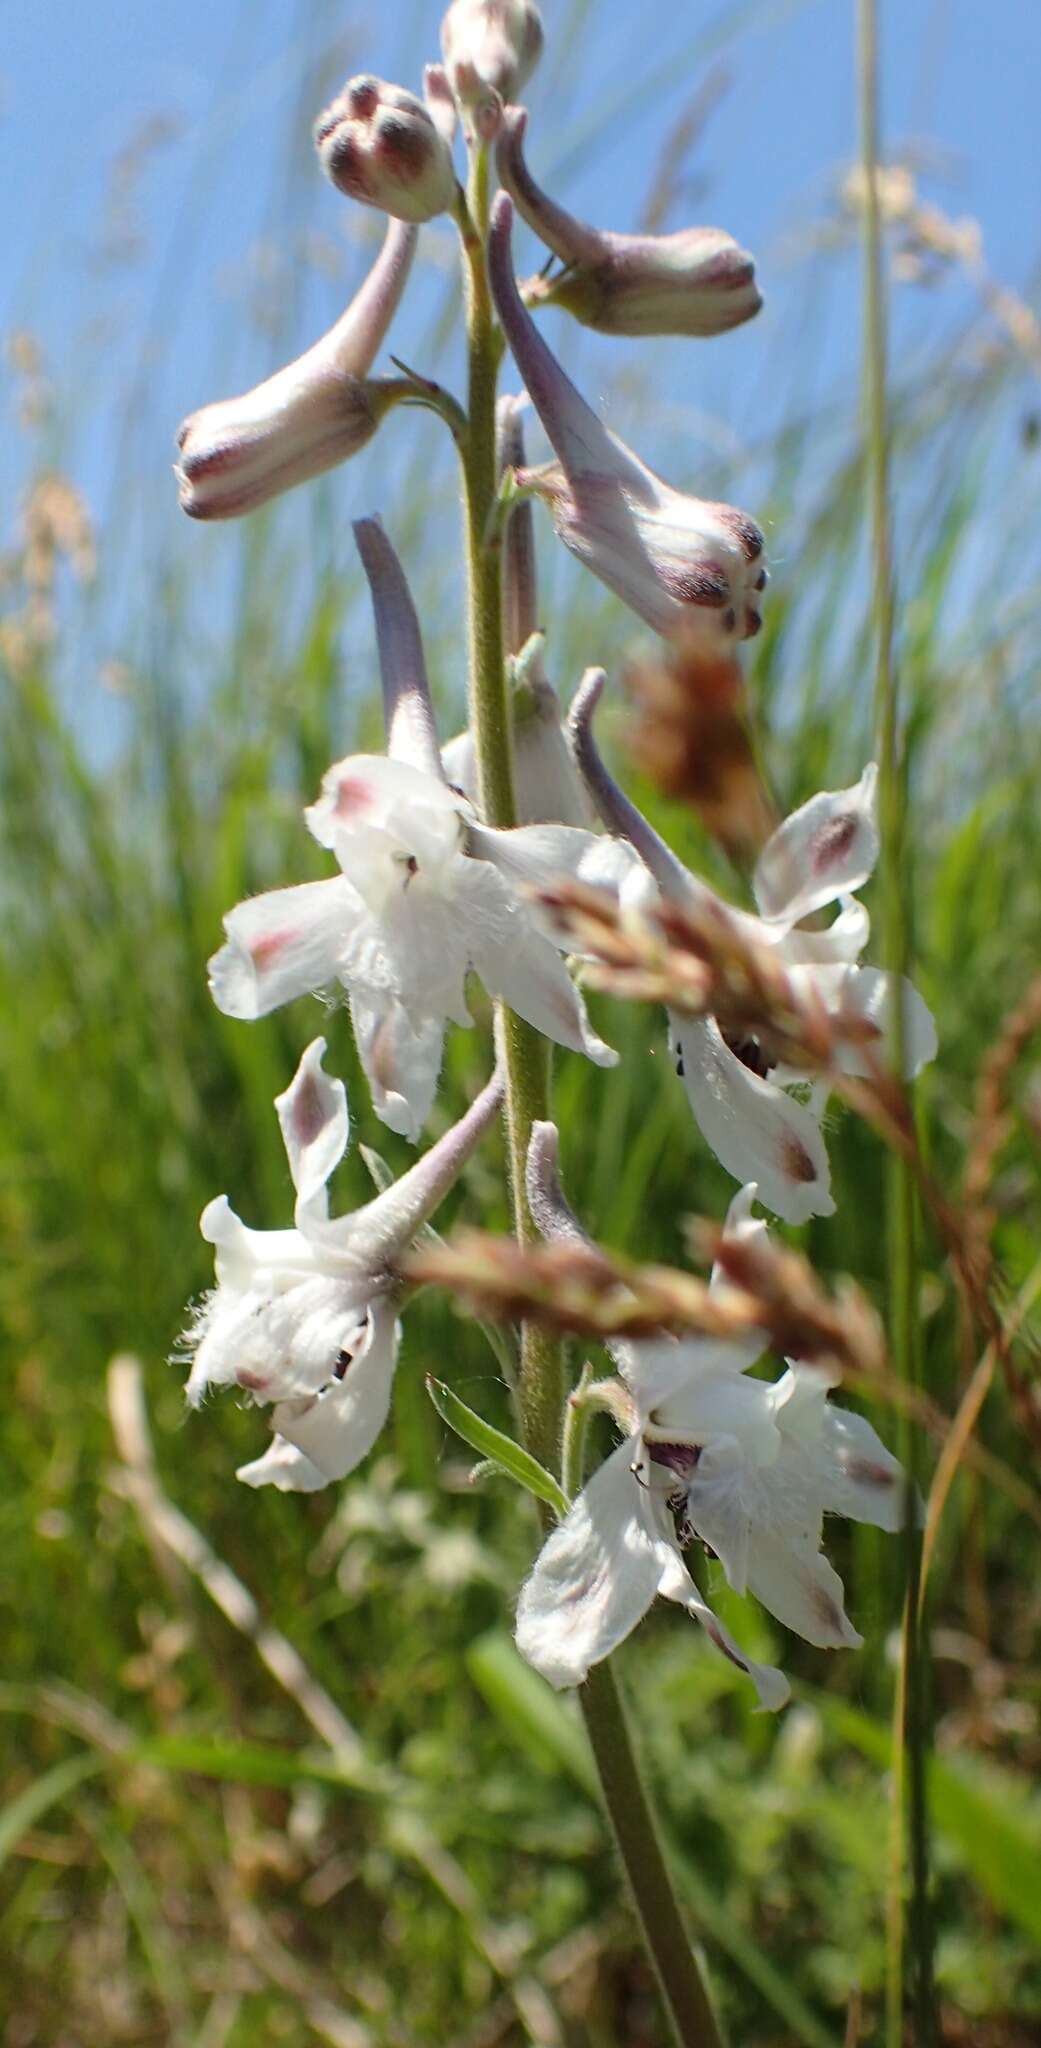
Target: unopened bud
379,144
490,48
241,452
698,281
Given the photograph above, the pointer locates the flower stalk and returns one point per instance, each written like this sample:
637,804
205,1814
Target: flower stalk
910,1718
525,1055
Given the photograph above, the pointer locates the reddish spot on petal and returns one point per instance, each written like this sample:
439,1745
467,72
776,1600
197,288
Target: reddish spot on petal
796,1161
252,1381
833,841
825,1608
352,795
267,948
865,1473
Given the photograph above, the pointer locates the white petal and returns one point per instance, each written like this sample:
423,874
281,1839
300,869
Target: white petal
755,1130
770,1684
367,791
827,848
459,761
279,1339
858,1476
315,1125
844,939
741,1227
285,944
594,1578
715,1403
240,1252
534,855
866,992
799,1586
338,1429
416,947
282,1465
654,1367
516,962
402,1061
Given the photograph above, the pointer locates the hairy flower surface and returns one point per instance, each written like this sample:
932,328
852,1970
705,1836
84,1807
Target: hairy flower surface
490,47
680,563
738,1092
697,281
425,894
747,1467
380,144
240,452
305,1318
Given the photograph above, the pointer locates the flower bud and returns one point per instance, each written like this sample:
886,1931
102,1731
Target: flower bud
240,452
682,564
490,47
380,144
697,281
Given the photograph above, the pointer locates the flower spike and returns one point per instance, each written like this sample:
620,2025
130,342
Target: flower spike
241,452
306,1319
696,282
680,563
408,714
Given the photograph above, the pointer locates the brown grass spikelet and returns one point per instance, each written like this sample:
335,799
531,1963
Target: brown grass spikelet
689,734
580,1289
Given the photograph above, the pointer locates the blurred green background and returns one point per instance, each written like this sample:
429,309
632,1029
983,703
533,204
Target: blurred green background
393,1839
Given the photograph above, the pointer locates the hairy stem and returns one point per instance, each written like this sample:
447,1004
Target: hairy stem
910,1729
526,1054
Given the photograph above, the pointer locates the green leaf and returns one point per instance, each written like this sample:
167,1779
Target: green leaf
518,1464
545,1725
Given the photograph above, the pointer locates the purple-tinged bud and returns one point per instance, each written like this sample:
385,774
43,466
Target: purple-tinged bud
380,144
680,563
697,281
241,452
490,48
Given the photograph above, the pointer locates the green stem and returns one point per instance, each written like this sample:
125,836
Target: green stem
525,1051
526,1056
910,1728
680,1982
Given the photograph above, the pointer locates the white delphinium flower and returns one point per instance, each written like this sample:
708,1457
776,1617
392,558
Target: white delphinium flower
746,1466
682,564
425,894
306,1318
822,853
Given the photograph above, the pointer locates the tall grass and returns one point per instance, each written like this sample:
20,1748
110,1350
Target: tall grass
182,1859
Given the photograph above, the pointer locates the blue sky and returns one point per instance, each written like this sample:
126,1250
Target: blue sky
224,251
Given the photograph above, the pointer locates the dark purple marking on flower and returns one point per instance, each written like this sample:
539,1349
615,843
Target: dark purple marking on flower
308,1114
402,144
865,1472
743,530
344,1358
363,97
729,619
750,1053
825,1607
796,1161
679,1458
706,584
761,580
833,841
753,622
715,1635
